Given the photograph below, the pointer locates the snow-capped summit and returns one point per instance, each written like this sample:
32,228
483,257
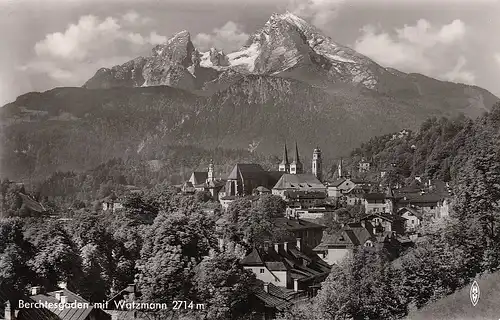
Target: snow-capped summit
286,45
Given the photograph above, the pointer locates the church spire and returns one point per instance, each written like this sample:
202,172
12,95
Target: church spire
296,166
285,156
285,165
296,153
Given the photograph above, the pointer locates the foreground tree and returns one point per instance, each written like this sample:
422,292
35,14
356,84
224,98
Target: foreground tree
222,283
176,242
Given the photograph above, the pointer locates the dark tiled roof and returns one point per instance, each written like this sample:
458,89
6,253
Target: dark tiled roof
70,313
295,224
253,259
247,171
262,189
337,182
421,199
351,235
31,203
200,177
291,260
304,181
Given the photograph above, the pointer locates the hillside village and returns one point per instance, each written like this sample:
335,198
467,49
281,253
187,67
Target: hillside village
289,228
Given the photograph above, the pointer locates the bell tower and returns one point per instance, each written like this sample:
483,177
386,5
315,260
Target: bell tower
317,164
211,174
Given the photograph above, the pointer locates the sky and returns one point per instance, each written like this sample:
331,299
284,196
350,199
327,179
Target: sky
52,43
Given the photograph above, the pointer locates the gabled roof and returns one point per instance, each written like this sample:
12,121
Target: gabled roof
295,224
253,259
337,182
303,181
200,177
31,203
411,211
247,171
290,260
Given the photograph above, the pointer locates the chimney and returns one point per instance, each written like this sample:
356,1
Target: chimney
299,244
10,313
277,247
64,299
295,285
363,223
266,287
36,290
58,295
285,246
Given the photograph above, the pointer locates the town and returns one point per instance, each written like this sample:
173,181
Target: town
388,218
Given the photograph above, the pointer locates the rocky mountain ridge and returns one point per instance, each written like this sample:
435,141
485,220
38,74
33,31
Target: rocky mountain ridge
289,82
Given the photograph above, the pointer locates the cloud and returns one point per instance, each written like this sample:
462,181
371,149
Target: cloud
320,12
415,48
496,56
132,17
458,74
73,55
228,37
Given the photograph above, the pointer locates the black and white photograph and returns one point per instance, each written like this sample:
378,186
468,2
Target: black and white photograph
249,159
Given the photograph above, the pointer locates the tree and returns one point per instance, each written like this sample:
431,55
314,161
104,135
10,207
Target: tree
225,286
57,256
15,252
176,242
364,286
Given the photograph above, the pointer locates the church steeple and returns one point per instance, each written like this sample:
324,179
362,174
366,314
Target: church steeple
339,169
285,165
296,166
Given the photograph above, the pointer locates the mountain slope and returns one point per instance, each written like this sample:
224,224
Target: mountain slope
289,82
458,306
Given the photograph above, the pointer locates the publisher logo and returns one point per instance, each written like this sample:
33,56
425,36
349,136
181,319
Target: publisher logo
474,293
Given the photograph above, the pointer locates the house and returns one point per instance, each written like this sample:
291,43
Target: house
304,199
436,205
311,213
290,265
340,187
269,300
364,166
111,203
355,196
67,305
413,218
261,190
378,202
385,222
12,304
340,245
310,232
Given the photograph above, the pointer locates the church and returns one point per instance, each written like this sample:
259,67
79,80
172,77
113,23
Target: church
297,187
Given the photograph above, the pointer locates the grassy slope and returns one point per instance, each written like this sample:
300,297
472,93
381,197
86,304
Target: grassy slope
459,307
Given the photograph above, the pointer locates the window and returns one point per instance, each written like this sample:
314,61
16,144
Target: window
261,270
